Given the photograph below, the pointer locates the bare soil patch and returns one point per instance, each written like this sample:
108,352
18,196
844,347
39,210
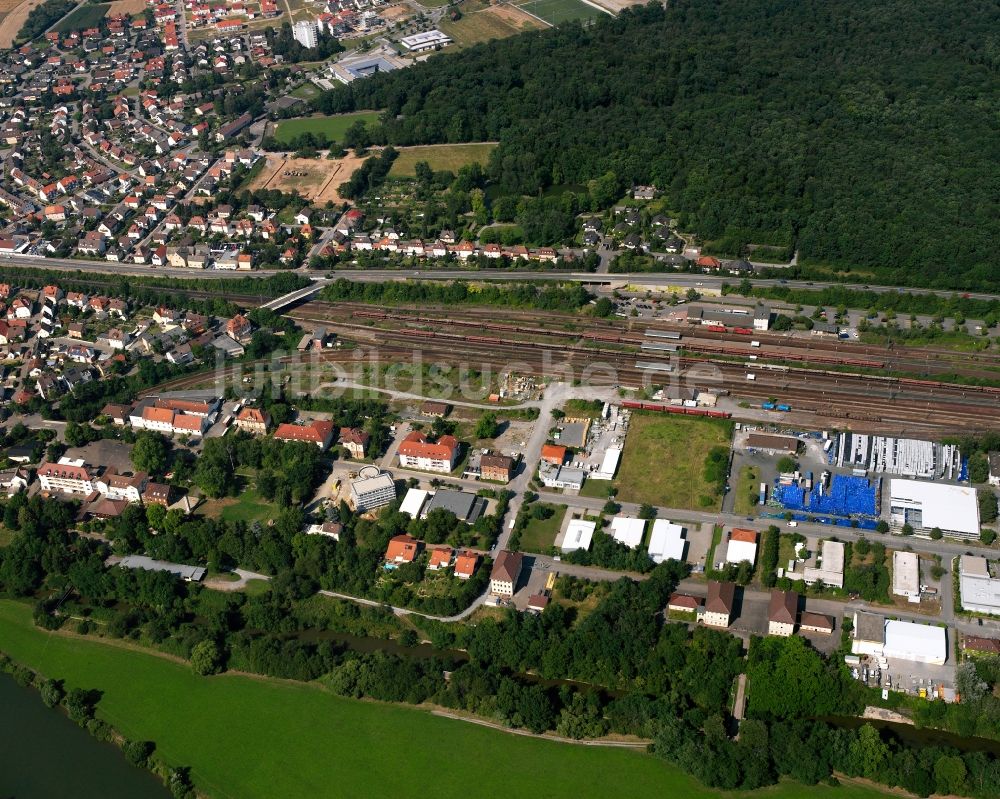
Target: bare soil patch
316,179
130,7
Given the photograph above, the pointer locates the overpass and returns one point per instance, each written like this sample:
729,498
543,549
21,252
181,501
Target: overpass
280,303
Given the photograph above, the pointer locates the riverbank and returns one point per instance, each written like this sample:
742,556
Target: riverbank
255,737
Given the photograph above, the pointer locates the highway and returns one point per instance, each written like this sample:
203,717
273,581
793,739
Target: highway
681,281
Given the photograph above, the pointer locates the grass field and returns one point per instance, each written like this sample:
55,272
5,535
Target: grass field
539,534
556,11
82,17
247,737
333,126
491,23
247,507
664,460
449,157
747,491
306,91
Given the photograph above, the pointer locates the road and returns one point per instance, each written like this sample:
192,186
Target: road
679,280
947,548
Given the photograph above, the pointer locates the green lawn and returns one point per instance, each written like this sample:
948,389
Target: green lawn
82,17
664,457
306,91
247,507
556,11
333,126
451,157
6,536
540,534
247,737
481,26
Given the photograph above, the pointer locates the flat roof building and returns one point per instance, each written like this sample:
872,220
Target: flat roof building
371,493
666,541
830,568
901,640
952,509
978,585
191,574
428,40
766,442
579,534
906,575
628,530
466,507
413,502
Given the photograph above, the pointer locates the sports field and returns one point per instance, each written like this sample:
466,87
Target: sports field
556,11
664,460
248,737
440,156
332,126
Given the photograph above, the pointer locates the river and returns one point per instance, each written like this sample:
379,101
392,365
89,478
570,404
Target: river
44,755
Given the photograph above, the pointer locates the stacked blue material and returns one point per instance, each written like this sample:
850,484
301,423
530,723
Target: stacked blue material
846,496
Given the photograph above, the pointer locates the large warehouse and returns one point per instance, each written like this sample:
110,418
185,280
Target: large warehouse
952,509
902,640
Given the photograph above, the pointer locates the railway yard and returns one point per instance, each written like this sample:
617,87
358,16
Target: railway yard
860,387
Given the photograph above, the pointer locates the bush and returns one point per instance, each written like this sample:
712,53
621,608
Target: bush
138,752
987,536
206,658
52,692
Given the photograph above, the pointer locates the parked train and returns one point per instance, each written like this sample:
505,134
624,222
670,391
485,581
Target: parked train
680,409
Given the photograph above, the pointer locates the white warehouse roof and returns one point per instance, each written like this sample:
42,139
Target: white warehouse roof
924,643
628,530
905,574
666,542
950,507
610,463
578,535
413,502
739,551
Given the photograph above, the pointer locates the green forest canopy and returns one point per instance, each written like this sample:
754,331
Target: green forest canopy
861,133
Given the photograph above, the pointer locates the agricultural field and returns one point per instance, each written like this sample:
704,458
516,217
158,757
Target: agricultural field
131,7
495,22
556,11
449,157
81,17
14,14
333,127
253,737
664,460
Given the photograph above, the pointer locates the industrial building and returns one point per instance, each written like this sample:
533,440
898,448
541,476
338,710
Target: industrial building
628,530
768,442
906,457
466,507
877,637
979,584
666,541
579,534
952,509
906,575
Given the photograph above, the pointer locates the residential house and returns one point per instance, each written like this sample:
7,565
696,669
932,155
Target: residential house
416,452
497,468
253,420
505,574
782,612
720,603
402,549
355,441
318,432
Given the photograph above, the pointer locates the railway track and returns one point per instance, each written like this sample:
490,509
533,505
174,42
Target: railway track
856,399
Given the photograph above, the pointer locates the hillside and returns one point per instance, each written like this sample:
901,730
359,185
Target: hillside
860,132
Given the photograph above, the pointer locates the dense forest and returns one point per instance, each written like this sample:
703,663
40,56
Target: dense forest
861,133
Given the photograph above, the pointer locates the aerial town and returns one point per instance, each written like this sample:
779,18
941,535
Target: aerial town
317,387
